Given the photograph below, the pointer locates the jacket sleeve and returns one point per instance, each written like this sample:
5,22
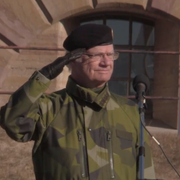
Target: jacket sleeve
22,115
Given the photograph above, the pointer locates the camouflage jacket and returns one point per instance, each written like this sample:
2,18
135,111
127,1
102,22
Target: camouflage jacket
78,134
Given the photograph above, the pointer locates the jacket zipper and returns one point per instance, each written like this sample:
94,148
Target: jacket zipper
82,153
109,143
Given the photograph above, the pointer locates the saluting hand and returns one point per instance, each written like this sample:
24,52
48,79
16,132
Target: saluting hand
53,69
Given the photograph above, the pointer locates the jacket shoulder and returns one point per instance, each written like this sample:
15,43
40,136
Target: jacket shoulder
57,98
129,107
123,101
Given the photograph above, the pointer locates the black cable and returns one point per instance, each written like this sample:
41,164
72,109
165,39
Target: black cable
157,142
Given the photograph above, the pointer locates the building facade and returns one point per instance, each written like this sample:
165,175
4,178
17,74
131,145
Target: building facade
144,25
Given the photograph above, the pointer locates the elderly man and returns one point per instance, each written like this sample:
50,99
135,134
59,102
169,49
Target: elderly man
83,131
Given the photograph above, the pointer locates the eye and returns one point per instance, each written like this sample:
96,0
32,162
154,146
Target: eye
89,55
110,54
98,55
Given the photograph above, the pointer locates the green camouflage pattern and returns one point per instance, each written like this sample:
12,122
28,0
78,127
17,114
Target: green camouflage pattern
79,134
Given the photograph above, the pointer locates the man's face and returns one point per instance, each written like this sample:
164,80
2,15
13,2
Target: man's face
95,67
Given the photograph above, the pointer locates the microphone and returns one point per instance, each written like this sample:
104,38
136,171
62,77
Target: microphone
141,84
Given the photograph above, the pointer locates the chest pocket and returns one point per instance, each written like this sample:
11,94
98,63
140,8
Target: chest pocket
124,147
125,139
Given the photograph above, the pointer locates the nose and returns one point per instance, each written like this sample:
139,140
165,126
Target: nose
105,60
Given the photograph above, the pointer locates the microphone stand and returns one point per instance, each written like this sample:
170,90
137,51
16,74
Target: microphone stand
141,104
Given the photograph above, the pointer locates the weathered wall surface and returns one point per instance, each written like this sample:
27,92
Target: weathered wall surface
16,68
166,70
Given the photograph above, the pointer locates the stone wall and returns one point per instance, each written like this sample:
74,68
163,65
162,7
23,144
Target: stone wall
17,68
166,70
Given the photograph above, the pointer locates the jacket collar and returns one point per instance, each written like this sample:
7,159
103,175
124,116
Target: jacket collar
88,95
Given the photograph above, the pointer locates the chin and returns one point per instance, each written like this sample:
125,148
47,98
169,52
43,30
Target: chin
104,78
102,81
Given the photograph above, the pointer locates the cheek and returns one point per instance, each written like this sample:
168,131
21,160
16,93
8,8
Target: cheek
89,68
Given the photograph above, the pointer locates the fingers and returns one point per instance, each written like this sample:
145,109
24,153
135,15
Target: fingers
76,54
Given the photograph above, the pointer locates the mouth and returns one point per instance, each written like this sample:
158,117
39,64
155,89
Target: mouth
103,70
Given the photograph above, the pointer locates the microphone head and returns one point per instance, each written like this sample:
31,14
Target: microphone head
141,79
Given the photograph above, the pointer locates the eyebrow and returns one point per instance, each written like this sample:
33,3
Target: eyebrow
98,52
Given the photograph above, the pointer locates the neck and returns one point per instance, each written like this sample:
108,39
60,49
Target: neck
90,85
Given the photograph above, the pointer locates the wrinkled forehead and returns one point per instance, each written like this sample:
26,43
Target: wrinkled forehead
101,49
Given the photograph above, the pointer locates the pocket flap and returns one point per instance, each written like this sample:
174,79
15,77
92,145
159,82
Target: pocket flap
124,135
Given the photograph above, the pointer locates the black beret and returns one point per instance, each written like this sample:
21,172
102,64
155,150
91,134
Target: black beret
88,36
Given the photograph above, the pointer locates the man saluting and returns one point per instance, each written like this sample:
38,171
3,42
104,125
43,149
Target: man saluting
83,131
